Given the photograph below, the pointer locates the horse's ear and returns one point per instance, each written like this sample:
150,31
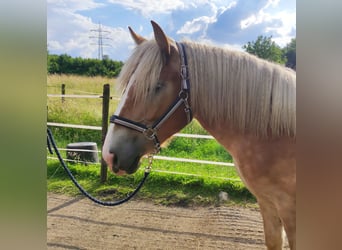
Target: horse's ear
161,39
137,38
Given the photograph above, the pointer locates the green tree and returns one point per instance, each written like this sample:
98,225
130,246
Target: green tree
290,54
65,64
53,66
265,48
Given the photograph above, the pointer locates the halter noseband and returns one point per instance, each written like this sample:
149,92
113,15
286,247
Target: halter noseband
150,132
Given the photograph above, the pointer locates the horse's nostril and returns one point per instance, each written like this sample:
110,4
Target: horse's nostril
115,160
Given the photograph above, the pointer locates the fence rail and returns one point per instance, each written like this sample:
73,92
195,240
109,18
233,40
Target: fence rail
81,96
55,124
164,158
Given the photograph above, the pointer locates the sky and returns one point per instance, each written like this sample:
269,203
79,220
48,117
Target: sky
224,23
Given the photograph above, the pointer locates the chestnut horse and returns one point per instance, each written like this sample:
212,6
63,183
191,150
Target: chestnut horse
247,104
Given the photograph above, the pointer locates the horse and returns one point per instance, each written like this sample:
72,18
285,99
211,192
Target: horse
247,104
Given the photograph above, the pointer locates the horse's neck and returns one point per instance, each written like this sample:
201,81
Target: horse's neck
233,140
225,134
239,143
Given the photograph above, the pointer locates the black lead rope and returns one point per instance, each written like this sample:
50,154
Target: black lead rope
51,141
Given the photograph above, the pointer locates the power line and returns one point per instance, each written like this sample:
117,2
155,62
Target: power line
100,36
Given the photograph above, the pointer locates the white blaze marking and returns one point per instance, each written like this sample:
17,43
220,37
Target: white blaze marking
108,141
124,97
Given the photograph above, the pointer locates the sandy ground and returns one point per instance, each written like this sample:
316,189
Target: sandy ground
77,223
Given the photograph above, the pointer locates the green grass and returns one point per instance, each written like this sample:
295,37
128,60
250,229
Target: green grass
196,187
160,188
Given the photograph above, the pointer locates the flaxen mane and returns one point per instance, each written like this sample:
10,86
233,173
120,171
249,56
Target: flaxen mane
252,94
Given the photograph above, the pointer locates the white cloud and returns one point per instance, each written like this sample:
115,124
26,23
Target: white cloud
222,45
280,23
54,45
72,34
284,32
196,25
261,16
288,22
148,8
75,5
201,23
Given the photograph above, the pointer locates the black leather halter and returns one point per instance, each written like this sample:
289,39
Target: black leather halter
150,132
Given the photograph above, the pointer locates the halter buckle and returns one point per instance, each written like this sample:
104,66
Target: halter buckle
184,72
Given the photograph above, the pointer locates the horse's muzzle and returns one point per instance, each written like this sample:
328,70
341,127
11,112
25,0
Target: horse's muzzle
120,168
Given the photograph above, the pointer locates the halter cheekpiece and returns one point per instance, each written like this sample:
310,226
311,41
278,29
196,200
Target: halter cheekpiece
151,132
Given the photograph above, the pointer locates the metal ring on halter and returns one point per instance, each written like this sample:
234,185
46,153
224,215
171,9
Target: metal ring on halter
148,168
150,133
183,95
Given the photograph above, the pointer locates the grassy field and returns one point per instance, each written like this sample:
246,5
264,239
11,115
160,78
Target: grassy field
201,186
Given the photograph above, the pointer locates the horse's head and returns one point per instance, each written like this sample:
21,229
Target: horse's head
153,106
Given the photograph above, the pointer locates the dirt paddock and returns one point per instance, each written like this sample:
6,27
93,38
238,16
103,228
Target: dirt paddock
77,223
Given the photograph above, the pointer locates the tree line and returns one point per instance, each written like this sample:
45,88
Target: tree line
267,49
65,64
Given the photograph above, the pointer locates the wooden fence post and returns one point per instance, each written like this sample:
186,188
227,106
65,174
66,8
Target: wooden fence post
63,92
105,117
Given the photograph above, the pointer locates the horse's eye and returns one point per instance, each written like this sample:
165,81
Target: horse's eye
158,87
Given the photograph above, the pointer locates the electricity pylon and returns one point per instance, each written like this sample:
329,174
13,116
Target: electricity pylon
100,36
